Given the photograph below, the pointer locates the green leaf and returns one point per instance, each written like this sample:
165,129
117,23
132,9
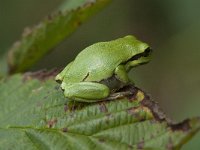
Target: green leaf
39,40
35,115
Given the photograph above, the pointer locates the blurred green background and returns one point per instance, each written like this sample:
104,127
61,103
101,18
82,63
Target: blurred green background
172,28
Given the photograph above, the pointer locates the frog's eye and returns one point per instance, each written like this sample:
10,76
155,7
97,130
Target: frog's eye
147,52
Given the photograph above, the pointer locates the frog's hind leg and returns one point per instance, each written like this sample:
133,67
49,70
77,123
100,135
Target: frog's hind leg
86,91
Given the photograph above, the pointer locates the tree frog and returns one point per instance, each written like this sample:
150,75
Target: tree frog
100,70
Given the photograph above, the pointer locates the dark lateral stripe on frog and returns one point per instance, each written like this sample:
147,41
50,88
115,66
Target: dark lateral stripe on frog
144,54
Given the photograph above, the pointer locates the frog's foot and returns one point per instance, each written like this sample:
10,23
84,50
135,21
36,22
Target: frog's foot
126,91
119,95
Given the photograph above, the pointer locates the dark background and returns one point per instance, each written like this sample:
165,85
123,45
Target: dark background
172,28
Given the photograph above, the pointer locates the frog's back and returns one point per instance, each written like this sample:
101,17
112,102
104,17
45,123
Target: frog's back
99,60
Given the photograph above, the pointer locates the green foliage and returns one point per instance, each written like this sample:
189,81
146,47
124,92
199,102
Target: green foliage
35,115
39,40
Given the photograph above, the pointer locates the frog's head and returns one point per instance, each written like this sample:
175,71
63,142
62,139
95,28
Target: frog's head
140,52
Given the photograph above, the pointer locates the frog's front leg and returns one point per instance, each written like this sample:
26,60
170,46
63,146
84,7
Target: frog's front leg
121,74
85,91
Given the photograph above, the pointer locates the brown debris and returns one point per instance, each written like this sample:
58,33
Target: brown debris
155,109
103,108
140,145
51,123
41,75
102,140
46,97
170,144
64,129
66,108
135,112
131,111
130,147
183,126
